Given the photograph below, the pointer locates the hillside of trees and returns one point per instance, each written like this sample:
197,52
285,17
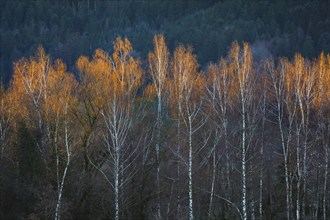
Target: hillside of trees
164,139
70,28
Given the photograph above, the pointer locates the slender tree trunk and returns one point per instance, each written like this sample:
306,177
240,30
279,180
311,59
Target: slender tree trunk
59,198
178,206
121,194
286,170
60,191
285,149
253,216
278,79
158,64
117,152
298,201
57,157
214,167
261,185
243,149
287,188
243,142
288,173
306,129
57,210
191,210
116,186
159,111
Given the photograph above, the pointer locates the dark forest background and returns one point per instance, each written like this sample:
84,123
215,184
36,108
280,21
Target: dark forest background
70,28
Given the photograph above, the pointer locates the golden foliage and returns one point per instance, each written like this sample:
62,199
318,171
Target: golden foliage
322,69
186,85
39,88
94,79
29,86
158,61
126,77
240,70
61,86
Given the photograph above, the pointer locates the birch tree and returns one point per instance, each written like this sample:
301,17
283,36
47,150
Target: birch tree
91,101
219,93
241,65
305,97
60,99
123,79
30,89
189,87
263,109
279,91
300,84
158,66
321,103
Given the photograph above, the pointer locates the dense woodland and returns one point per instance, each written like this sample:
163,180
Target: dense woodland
164,140
225,115
70,28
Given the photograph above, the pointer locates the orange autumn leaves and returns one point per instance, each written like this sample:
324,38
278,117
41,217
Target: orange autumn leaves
105,78
177,78
40,87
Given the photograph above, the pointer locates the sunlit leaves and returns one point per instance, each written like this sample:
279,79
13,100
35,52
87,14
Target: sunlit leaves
158,61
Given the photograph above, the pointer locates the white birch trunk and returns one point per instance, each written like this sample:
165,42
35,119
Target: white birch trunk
252,205
298,201
228,191
68,154
261,186
159,111
243,149
116,185
158,64
178,206
191,210
115,141
278,85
